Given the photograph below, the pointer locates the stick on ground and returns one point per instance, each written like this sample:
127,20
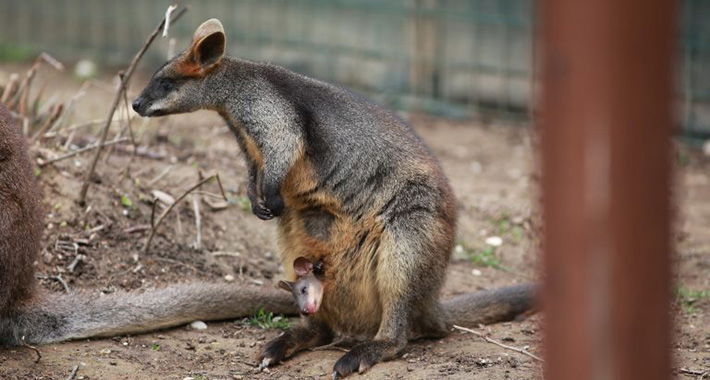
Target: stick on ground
499,344
170,208
33,348
82,150
74,370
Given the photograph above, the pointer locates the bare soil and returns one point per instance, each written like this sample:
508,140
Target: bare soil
492,170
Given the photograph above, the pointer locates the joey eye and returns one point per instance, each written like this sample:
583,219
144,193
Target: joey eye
303,290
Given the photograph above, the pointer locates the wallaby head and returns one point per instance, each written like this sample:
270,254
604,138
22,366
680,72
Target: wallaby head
179,85
307,289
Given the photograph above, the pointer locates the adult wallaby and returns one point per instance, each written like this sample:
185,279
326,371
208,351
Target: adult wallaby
353,186
27,316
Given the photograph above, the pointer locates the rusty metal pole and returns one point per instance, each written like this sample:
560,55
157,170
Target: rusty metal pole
606,124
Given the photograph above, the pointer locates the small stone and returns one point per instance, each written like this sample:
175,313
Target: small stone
494,241
460,252
229,278
476,272
198,325
476,167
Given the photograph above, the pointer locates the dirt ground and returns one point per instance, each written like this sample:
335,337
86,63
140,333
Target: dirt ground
491,168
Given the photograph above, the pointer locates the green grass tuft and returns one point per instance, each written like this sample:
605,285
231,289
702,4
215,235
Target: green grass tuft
268,320
687,298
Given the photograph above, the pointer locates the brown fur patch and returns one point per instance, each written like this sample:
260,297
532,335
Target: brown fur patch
351,302
20,217
187,67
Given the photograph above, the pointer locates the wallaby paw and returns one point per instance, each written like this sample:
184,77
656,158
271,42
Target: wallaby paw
359,359
275,204
273,353
265,363
261,211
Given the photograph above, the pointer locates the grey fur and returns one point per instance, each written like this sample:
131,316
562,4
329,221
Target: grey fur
390,193
61,317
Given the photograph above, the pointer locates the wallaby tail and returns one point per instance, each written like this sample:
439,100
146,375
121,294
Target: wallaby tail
490,306
56,318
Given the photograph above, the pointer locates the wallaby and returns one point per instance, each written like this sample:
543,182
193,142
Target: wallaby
307,290
29,317
353,186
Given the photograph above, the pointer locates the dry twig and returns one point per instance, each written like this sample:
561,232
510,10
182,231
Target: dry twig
82,150
335,345
693,372
10,88
57,278
31,347
55,113
156,223
499,344
125,78
77,259
160,176
196,199
74,370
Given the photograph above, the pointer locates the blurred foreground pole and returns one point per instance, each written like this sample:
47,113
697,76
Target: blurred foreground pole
606,133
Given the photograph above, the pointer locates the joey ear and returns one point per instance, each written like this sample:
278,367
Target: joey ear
286,285
302,266
208,44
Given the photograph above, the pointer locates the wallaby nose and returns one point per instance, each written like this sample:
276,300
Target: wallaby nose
136,104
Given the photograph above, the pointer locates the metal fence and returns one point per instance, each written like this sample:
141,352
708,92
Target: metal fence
457,58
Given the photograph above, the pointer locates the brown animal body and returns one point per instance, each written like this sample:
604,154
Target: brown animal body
353,186
27,316
20,217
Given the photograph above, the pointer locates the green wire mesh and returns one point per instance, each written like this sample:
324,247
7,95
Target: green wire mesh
456,58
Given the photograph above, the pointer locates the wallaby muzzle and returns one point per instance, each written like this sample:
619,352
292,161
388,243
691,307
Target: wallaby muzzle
143,105
138,106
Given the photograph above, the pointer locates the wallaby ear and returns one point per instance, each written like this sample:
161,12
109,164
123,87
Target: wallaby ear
302,266
286,285
208,44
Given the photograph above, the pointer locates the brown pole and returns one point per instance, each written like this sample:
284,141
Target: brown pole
606,126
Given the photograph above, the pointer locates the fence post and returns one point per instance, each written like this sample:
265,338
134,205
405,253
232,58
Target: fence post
606,124
424,41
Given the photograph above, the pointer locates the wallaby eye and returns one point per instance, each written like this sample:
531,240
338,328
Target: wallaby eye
303,290
166,85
